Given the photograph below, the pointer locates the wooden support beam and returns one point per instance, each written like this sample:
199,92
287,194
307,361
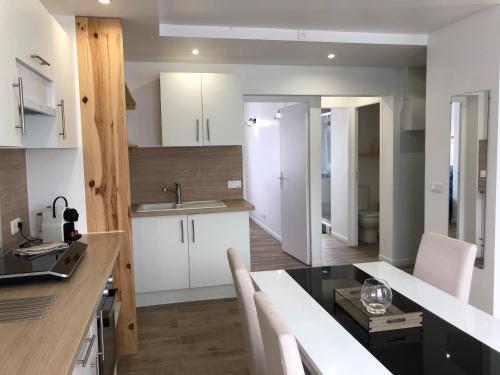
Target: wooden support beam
105,153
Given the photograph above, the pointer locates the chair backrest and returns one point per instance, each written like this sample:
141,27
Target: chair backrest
282,353
245,290
446,263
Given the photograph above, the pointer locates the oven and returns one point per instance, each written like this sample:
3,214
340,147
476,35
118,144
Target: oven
106,330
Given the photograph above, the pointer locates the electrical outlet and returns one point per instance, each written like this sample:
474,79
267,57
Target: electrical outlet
437,187
234,184
13,226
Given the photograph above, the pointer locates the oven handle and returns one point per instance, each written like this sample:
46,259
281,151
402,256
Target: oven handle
101,335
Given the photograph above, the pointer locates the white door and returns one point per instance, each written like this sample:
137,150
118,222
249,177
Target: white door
294,150
181,109
33,35
340,138
161,254
222,109
9,134
210,235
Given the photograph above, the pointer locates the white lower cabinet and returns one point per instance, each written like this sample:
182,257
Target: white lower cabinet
210,237
161,253
88,360
187,251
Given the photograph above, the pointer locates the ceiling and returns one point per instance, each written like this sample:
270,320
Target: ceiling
141,19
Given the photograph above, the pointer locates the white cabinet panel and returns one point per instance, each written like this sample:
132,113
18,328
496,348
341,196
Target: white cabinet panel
65,87
222,109
10,136
161,255
181,109
33,35
210,235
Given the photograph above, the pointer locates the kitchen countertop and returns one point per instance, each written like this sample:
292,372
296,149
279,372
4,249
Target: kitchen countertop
52,344
232,205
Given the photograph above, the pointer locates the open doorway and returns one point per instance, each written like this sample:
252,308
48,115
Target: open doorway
350,179
276,160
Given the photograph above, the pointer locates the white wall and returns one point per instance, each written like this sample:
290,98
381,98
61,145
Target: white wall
340,172
262,165
464,58
53,172
144,125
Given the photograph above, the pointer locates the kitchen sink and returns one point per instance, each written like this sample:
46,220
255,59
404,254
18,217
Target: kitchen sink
172,206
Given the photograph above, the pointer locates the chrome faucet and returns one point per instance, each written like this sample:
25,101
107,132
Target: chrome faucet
177,192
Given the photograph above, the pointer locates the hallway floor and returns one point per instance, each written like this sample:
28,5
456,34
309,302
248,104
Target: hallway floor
266,253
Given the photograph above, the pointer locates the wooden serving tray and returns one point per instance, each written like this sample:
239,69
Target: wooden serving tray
349,299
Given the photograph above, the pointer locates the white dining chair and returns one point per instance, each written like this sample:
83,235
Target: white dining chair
282,353
446,263
254,348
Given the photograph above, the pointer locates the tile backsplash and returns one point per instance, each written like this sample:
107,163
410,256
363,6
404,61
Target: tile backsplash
13,195
203,172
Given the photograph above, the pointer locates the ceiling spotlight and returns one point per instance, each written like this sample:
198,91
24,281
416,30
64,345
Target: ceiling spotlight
277,115
105,1
195,52
331,56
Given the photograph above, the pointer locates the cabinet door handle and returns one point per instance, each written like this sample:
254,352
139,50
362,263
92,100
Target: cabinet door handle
192,227
63,119
182,231
208,129
198,130
40,58
85,359
20,89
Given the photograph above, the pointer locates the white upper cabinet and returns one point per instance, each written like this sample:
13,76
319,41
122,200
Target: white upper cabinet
201,109
181,109
38,94
33,35
65,91
222,109
10,136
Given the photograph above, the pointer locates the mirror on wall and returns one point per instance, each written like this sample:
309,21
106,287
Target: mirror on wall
468,169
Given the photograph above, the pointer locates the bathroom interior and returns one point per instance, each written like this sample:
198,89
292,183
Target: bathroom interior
350,157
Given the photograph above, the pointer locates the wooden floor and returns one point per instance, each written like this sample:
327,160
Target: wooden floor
336,252
188,339
266,253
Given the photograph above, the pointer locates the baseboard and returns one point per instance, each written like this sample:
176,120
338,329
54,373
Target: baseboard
184,295
340,237
265,228
397,262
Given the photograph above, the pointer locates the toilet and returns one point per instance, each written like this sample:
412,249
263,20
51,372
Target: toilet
368,220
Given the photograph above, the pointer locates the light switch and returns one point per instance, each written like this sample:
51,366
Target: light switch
437,187
234,184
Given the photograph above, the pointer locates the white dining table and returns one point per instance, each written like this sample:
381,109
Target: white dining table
328,348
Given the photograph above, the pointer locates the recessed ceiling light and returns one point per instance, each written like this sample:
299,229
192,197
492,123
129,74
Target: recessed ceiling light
331,56
105,1
195,51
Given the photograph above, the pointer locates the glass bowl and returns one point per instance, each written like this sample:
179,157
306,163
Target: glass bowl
376,296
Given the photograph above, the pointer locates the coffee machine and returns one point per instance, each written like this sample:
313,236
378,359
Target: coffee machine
58,223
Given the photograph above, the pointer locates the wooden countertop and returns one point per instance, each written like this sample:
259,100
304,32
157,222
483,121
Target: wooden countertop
232,205
52,344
